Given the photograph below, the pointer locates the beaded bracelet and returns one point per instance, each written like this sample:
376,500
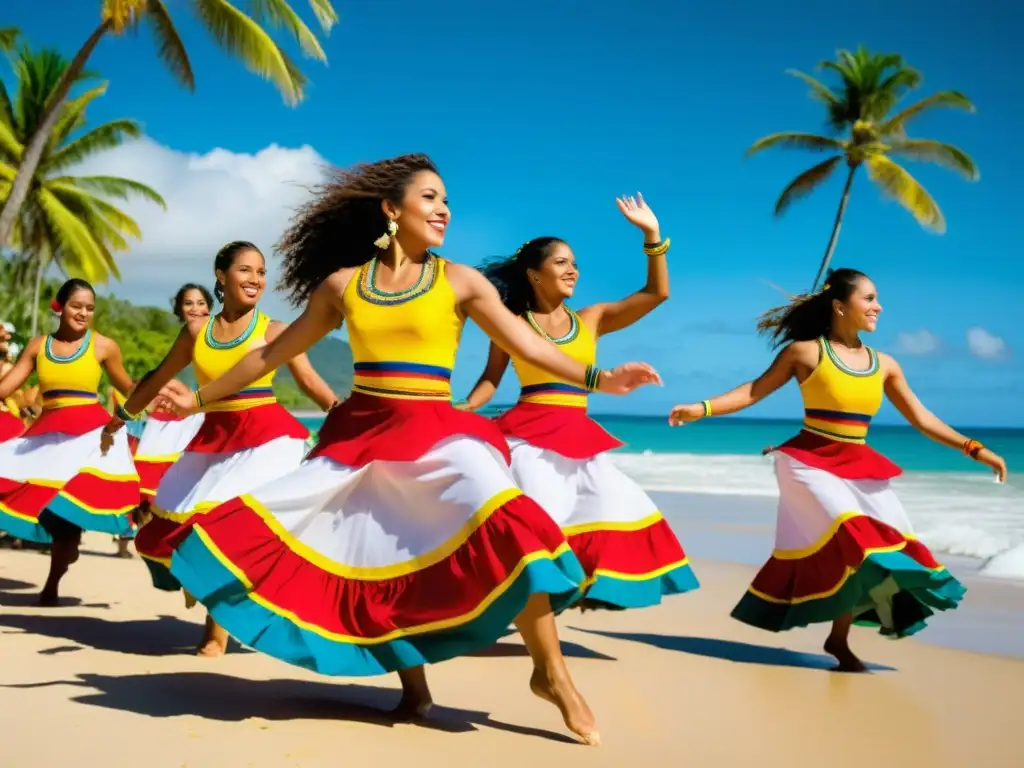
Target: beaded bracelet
659,248
123,414
707,407
972,448
592,378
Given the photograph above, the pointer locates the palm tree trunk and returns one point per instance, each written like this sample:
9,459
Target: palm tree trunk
34,151
835,229
40,269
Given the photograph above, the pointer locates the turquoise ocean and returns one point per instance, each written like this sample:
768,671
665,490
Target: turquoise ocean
955,504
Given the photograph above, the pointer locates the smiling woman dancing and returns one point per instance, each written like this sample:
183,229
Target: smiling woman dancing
54,482
845,551
559,454
245,440
403,539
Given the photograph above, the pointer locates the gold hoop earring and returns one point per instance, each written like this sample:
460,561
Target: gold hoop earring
384,240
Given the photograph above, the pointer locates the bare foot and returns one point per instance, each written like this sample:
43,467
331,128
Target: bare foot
412,707
48,599
210,649
575,713
848,662
122,549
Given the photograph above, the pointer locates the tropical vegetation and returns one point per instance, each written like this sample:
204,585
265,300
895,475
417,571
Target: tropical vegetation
66,219
242,35
863,106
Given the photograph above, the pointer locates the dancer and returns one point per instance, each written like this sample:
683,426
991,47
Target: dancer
559,454
845,551
402,540
54,482
165,435
243,441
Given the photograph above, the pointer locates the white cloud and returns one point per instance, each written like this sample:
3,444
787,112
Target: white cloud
986,345
922,342
212,198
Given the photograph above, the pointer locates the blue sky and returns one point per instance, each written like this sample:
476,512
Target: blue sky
539,113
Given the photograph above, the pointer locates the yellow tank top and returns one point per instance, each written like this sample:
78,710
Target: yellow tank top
539,386
839,401
70,380
403,343
211,359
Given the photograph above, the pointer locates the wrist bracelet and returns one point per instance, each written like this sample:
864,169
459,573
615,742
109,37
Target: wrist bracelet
592,378
972,448
121,412
198,398
707,407
659,248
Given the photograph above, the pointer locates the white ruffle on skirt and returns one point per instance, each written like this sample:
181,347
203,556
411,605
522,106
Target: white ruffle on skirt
164,441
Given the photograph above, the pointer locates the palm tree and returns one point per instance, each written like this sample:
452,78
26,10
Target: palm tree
8,37
239,34
871,86
65,219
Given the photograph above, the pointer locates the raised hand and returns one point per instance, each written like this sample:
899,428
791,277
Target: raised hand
625,378
638,214
685,413
178,399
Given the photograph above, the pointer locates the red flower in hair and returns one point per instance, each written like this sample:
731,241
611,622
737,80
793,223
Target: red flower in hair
56,306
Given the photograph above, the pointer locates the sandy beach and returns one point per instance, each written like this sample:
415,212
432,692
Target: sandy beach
108,679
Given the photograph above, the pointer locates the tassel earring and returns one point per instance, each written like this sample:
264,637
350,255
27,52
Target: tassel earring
384,240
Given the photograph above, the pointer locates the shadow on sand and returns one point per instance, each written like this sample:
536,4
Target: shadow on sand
162,636
731,650
233,699
569,650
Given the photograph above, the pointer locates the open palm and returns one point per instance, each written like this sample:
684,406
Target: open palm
637,212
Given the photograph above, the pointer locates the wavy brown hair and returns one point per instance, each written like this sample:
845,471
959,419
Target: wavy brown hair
809,316
337,227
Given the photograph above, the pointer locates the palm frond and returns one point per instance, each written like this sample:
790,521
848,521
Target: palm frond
938,152
325,14
72,115
10,148
954,99
796,140
170,49
248,41
805,183
115,186
101,138
819,90
279,13
73,238
898,184
83,207
8,38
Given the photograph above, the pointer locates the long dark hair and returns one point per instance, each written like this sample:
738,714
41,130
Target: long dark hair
177,303
337,227
224,259
809,316
509,275
74,284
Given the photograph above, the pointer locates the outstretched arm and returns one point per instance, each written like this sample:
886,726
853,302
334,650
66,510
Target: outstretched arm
149,386
487,384
782,369
22,369
613,316
306,377
480,301
927,423
321,316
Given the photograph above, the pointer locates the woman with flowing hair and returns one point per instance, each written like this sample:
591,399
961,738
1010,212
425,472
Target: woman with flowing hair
402,540
560,458
244,440
845,551
54,480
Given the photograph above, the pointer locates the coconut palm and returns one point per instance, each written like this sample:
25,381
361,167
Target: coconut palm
240,34
66,219
871,86
8,37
